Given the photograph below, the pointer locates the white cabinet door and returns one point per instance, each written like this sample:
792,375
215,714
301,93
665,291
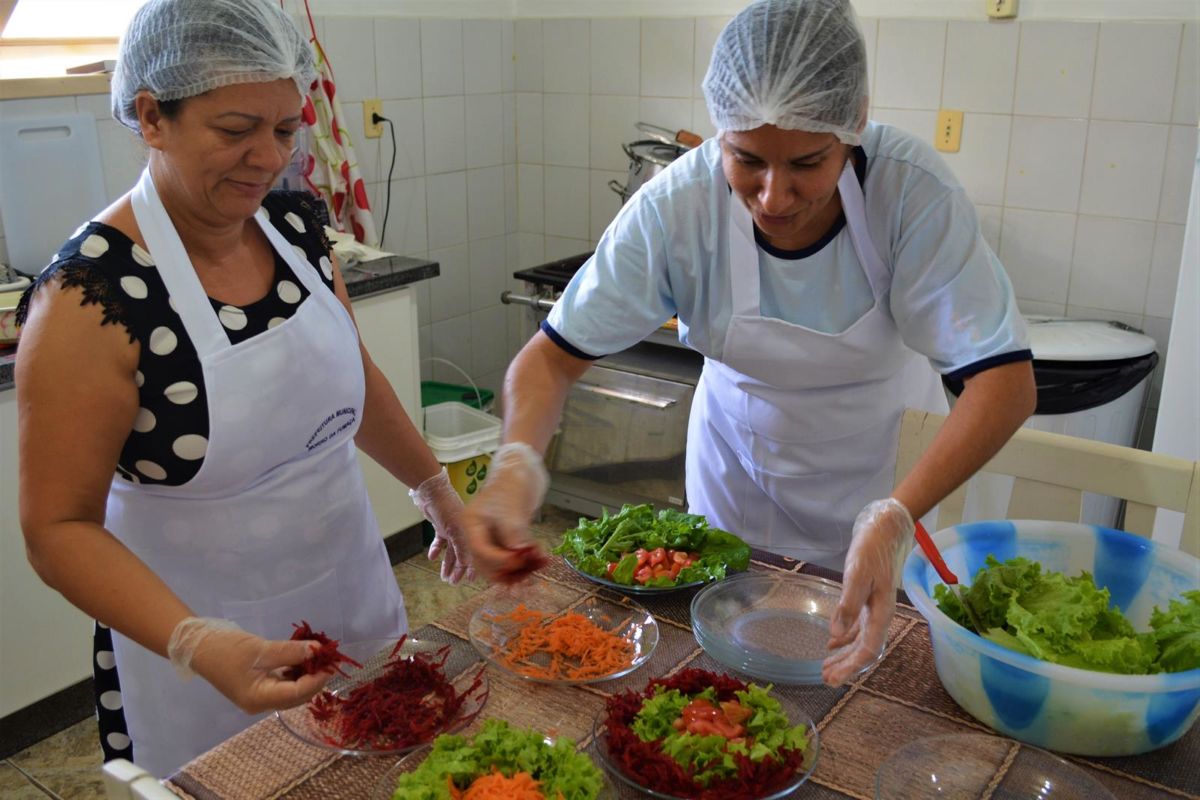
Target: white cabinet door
388,325
45,642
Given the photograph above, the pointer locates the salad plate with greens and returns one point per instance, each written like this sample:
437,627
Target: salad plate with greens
643,551
499,761
702,735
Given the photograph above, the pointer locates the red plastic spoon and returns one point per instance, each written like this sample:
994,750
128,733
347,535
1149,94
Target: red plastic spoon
948,577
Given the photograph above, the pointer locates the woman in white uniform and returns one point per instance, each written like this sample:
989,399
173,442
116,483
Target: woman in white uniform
821,264
189,474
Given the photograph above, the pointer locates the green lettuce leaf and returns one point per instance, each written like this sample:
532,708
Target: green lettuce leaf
1176,631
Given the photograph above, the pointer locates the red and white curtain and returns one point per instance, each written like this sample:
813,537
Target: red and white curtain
332,170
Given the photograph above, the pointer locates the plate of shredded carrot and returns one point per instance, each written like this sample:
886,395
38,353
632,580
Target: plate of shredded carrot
499,762
539,637
390,696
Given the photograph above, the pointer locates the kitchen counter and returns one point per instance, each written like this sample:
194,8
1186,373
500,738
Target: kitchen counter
366,279
896,702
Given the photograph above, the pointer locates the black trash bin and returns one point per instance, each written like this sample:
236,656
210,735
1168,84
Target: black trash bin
1092,378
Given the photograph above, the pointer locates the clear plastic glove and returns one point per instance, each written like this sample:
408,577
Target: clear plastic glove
441,505
245,668
860,622
497,520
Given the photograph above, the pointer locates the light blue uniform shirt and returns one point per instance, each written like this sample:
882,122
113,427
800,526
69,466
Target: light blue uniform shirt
667,253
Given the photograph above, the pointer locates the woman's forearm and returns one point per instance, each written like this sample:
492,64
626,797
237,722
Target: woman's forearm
992,406
535,390
389,437
99,575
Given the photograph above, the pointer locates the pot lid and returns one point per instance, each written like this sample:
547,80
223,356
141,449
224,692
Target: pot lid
1085,340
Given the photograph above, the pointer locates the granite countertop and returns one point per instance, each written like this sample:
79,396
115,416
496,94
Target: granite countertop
366,279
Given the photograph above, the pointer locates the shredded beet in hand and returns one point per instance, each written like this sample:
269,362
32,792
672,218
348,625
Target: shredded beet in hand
526,560
659,772
408,704
327,657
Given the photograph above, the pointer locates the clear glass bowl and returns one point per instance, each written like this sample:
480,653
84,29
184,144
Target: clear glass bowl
773,626
1061,708
795,717
385,788
493,635
977,765
462,669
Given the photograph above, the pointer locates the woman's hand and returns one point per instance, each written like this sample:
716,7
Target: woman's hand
869,590
441,505
245,668
497,520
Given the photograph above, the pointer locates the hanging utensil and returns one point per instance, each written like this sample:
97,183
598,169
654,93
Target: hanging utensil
948,577
667,136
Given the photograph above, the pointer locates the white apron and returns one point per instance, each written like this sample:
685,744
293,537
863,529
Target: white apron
276,526
795,430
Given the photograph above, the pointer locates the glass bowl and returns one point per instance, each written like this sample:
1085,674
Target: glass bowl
795,717
773,626
463,668
494,632
1057,707
978,765
385,788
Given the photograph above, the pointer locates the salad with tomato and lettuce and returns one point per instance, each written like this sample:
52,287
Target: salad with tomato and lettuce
642,547
501,762
705,735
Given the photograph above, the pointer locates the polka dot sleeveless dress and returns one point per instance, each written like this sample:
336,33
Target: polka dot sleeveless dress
170,432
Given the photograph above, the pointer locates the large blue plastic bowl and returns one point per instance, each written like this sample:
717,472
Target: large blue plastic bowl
1062,708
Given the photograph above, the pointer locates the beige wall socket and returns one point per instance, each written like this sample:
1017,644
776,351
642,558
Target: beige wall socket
372,129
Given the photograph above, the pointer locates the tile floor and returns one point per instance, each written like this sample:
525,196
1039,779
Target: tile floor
66,766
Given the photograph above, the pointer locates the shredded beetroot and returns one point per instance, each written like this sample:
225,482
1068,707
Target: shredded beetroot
327,658
655,770
527,560
408,704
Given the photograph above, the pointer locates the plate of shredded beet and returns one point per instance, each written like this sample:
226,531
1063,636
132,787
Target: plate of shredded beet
391,696
540,636
702,735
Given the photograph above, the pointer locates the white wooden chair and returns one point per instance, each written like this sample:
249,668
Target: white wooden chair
1052,471
124,780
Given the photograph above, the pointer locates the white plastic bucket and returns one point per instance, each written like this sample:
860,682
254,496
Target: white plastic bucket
462,438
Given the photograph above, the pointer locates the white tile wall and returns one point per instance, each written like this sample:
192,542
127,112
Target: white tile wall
1077,147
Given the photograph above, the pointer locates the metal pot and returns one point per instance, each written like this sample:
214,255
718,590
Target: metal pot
647,158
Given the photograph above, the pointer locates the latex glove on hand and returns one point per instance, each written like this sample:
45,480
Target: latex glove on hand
441,505
497,520
245,668
861,619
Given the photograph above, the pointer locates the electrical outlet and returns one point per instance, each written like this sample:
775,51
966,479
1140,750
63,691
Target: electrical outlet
948,135
1001,9
372,129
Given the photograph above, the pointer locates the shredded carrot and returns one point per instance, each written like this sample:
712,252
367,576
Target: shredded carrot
577,648
495,786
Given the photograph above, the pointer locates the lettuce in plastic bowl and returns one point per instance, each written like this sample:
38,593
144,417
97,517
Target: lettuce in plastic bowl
1055,705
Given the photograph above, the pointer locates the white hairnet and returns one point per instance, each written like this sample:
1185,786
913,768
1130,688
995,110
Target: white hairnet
180,48
794,64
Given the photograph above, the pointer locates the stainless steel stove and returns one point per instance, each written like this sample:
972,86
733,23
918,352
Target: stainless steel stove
624,427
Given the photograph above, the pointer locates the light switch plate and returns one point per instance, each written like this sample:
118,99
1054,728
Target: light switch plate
948,136
1001,9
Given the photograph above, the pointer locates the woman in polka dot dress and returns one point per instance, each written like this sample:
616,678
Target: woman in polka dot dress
192,389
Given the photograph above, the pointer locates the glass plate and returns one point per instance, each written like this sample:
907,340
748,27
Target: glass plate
386,786
492,632
633,588
463,668
773,626
795,717
966,765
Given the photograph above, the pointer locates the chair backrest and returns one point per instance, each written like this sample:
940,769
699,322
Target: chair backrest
124,780
1052,471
